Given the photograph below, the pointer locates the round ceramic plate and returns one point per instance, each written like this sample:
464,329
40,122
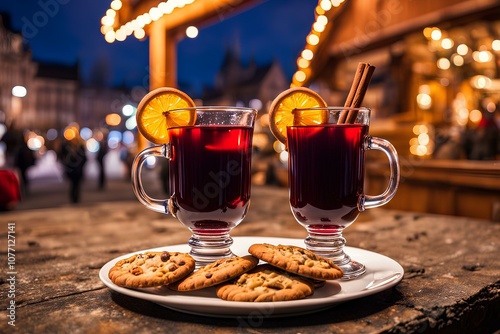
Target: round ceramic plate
381,273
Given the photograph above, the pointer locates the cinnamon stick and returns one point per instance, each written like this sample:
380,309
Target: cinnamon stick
357,92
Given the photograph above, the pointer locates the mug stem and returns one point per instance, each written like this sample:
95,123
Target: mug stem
331,246
206,249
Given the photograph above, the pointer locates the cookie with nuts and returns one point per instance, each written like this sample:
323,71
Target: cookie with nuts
215,273
151,269
297,260
266,283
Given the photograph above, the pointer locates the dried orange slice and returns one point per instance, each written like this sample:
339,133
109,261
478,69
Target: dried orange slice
281,111
159,110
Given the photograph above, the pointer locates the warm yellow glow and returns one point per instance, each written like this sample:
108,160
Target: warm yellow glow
463,113
284,156
307,54
322,19
108,21
105,29
462,49
300,76
264,120
69,133
475,116
424,89
113,119
278,146
424,101
147,18
110,36
136,25
447,43
420,128
191,32
139,33
312,39
155,14
120,35
303,63
443,63
116,4
318,27
482,56
480,82
319,10
427,32
491,107
423,139
326,5
495,45
127,29
436,34
260,140
458,60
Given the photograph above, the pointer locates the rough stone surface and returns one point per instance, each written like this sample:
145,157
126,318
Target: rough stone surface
451,282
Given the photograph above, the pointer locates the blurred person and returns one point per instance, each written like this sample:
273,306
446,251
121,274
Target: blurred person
73,158
12,139
485,142
127,158
18,156
23,160
103,150
10,194
448,145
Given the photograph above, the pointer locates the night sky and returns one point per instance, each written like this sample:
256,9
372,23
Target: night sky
274,29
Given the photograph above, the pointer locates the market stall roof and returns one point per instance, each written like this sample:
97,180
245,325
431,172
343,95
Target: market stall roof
135,17
355,26
163,22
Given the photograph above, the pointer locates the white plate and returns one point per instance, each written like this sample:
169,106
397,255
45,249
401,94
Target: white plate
205,302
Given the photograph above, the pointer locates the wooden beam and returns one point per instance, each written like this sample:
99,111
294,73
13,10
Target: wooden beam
198,12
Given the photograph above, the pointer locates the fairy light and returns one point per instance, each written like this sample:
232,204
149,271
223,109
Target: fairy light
136,26
313,40
462,49
326,5
191,32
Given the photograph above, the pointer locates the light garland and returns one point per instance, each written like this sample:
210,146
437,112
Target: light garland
313,40
135,26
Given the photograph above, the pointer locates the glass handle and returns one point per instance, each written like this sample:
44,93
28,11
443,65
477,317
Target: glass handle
367,201
159,205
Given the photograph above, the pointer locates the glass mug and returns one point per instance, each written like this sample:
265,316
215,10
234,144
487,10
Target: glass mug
326,181
209,177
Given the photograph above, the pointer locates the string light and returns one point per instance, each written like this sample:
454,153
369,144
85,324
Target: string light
313,40
136,26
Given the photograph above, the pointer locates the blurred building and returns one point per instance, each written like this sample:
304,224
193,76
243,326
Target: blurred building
18,70
437,65
434,94
41,99
240,83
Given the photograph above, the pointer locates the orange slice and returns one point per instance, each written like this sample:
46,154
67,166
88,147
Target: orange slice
157,112
281,111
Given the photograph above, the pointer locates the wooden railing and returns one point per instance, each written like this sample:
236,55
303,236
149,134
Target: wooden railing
452,187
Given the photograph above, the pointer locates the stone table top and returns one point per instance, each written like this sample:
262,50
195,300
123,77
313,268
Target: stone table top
50,276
